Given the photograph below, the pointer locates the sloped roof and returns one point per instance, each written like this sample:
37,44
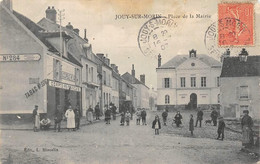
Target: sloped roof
179,59
233,67
131,79
37,31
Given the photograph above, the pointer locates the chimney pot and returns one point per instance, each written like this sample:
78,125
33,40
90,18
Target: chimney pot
133,70
51,14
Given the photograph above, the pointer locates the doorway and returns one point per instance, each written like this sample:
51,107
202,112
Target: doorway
193,101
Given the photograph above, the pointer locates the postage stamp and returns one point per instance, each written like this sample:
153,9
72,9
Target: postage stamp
154,35
236,24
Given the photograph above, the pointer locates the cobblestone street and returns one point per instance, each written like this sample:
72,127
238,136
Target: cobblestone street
101,143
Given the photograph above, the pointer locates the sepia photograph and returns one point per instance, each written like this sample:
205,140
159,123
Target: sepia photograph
129,81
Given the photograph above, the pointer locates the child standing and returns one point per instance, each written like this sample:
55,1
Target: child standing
156,125
122,121
127,118
221,127
191,125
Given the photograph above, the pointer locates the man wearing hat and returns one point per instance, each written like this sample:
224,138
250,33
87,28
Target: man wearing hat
247,133
221,127
36,119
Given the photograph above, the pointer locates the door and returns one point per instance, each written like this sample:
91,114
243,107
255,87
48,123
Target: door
193,101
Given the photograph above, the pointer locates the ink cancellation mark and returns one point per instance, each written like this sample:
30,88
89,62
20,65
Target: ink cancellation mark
236,24
154,35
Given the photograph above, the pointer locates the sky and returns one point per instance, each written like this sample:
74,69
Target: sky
118,37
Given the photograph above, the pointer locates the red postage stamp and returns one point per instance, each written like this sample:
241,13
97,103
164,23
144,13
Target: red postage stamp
236,24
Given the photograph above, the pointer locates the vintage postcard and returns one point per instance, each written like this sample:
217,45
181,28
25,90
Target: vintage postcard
129,81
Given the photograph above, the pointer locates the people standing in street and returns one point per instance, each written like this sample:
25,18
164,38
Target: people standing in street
143,115
214,116
58,118
127,118
97,111
191,125
178,118
156,125
113,109
247,132
77,117
36,119
89,114
122,121
70,115
199,117
221,128
107,115
138,116
164,116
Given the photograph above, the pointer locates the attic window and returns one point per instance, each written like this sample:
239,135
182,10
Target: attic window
192,53
243,55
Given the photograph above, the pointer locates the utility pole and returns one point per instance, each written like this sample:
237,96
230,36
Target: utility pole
61,15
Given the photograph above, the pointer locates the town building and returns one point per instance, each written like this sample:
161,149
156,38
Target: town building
141,91
115,86
35,69
152,99
81,49
105,71
240,85
188,81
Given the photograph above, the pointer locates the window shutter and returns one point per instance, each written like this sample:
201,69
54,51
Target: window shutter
163,83
54,68
60,70
170,82
237,93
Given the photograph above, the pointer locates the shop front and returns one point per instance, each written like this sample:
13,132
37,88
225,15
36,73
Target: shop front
63,94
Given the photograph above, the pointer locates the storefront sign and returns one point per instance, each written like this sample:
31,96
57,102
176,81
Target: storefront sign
36,88
68,76
19,57
63,86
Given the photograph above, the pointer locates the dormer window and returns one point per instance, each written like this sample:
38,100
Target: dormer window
192,53
243,55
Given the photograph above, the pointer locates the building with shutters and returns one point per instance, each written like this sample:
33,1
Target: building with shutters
188,81
34,69
240,86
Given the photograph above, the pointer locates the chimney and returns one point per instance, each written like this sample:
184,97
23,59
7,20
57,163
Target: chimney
133,70
117,69
142,78
225,55
85,35
159,60
69,26
51,14
8,4
76,30
243,55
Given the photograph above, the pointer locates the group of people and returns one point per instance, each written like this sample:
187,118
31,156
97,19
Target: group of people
72,117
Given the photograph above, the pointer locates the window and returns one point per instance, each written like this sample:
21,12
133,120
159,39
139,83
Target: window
244,92
193,81
218,81
57,69
167,99
166,82
203,81
91,74
182,81
242,108
86,73
104,77
218,98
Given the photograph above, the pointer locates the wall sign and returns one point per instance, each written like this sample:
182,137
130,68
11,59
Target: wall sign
64,86
35,88
19,57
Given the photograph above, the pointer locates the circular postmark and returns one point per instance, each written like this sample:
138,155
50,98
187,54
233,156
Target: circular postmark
154,35
230,31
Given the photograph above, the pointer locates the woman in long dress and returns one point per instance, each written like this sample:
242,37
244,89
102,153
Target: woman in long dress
247,132
70,115
90,114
